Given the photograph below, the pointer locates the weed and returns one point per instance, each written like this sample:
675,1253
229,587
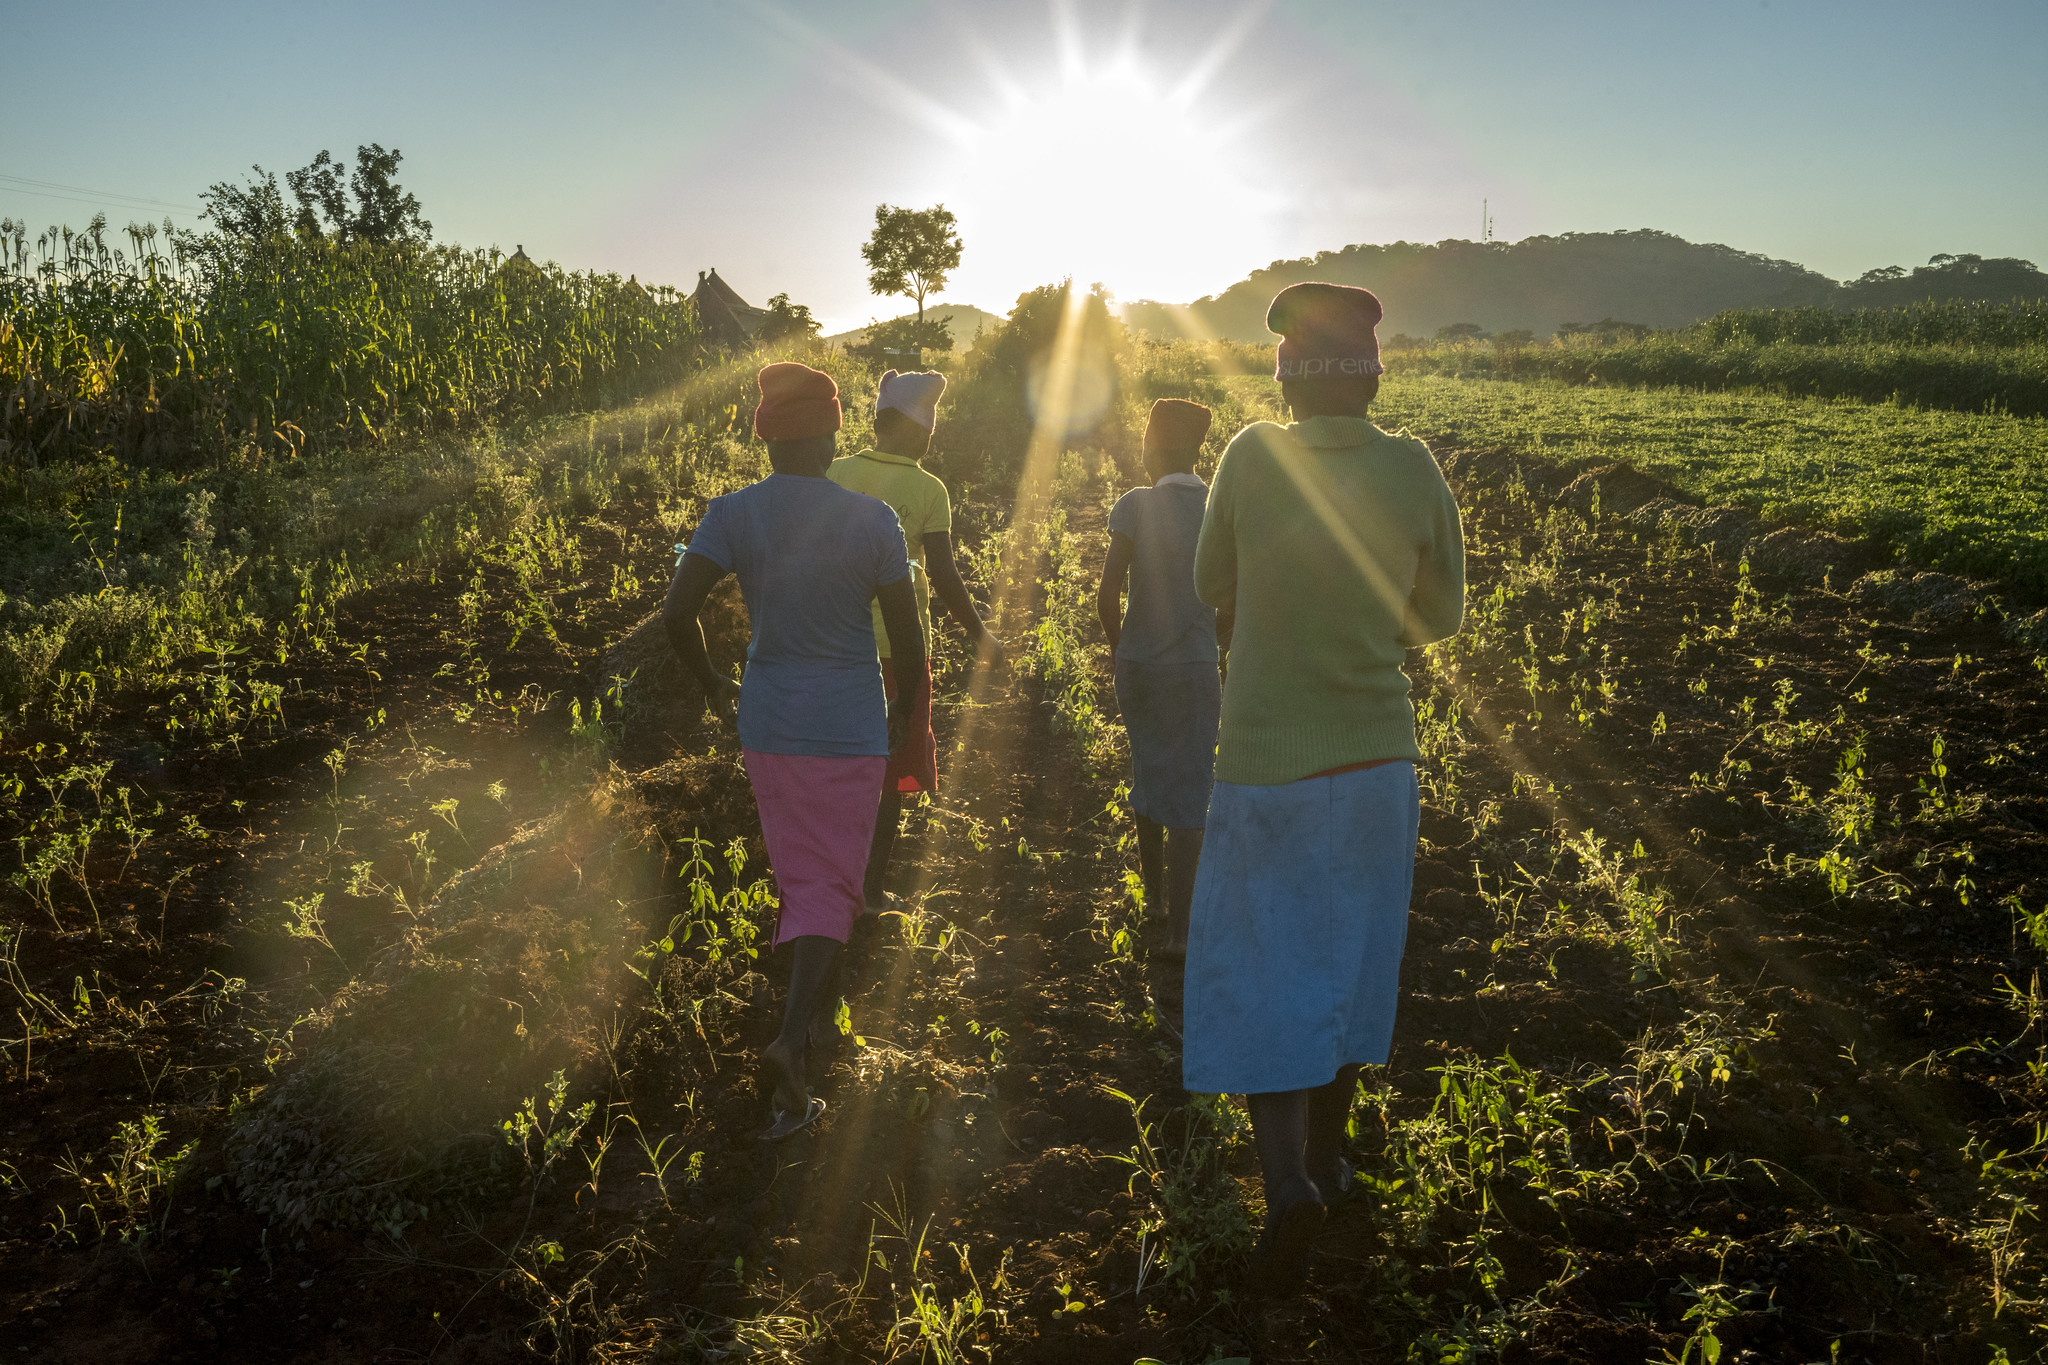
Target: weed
934,1327
1713,1303
1058,652
727,924
541,1130
1640,908
659,1158
1198,1229
2034,923
2012,1181
572,1293
120,1198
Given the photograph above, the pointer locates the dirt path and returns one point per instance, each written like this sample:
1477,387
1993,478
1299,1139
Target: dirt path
971,1139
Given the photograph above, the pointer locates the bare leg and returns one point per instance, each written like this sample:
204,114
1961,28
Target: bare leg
1280,1130
1329,1109
1294,1206
825,1020
1152,863
887,820
1183,857
812,959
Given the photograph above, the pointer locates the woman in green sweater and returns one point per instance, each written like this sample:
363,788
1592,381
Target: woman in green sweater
1338,547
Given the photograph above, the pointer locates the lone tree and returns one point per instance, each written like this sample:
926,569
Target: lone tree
911,252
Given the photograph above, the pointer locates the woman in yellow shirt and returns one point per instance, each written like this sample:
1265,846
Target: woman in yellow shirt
906,414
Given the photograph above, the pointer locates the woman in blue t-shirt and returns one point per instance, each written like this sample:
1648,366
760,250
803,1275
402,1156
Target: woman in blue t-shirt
815,728
1167,688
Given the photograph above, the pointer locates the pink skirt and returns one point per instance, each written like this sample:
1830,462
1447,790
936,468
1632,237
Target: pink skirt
818,817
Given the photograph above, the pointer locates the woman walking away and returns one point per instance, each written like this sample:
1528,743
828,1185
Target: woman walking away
906,414
814,727
1165,648
1339,547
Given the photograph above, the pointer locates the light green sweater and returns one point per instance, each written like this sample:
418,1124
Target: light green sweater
1339,546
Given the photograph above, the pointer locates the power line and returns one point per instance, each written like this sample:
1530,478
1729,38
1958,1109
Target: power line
22,180
51,189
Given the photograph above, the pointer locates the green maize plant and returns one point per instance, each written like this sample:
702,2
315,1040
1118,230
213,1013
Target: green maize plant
185,350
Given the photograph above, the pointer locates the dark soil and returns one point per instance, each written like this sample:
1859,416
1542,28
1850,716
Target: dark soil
1833,1181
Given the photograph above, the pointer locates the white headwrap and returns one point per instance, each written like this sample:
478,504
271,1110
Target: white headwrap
915,395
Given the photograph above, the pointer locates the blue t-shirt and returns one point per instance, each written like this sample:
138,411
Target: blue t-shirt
809,556
1165,622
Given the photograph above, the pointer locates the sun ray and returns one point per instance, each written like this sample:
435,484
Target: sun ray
1190,323
1227,41
1393,597
870,79
1129,33
1066,28
1025,548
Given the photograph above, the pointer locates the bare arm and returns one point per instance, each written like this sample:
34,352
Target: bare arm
951,591
948,586
906,653
1109,596
1216,548
695,577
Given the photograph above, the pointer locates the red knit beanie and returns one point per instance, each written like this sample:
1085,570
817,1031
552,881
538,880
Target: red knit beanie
1176,424
1326,330
797,403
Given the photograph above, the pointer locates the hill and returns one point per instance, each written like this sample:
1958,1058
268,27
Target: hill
1540,283
965,319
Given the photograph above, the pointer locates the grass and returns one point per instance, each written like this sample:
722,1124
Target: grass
1957,378
1964,357
1961,492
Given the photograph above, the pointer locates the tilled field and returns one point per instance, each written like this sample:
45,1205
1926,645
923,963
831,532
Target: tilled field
1721,1014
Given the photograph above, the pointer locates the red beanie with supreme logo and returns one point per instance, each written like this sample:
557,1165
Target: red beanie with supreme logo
1326,331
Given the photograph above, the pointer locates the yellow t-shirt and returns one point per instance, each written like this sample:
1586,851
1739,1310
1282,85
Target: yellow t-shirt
918,497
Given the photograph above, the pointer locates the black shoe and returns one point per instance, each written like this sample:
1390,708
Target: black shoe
1280,1264
1334,1181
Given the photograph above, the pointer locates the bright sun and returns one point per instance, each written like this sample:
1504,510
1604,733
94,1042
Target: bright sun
1106,176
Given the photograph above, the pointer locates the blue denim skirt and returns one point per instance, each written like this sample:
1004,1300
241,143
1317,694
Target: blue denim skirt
1300,917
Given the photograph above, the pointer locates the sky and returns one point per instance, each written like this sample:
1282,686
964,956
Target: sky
1163,149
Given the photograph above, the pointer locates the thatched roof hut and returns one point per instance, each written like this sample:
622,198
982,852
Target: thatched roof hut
723,316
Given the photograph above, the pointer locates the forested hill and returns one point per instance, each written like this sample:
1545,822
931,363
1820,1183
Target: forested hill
1540,283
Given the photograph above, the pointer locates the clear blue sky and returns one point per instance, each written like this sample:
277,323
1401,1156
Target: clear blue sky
1165,148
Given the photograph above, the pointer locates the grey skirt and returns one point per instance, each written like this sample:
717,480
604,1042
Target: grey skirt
1170,712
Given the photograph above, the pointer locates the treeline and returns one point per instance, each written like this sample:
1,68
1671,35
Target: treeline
1944,279
1654,280
188,349
1969,357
